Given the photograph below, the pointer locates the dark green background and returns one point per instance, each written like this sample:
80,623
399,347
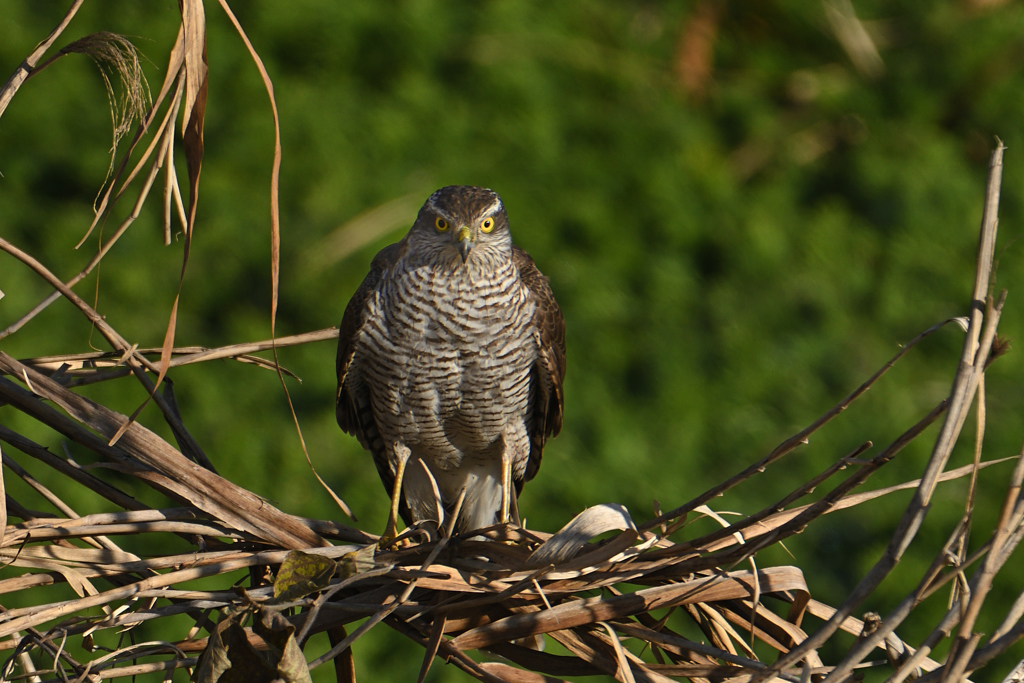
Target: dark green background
730,264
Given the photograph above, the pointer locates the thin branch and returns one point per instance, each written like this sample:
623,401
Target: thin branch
24,69
790,444
972,364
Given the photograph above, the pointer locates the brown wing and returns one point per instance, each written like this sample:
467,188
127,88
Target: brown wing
549,370
351,323
354,405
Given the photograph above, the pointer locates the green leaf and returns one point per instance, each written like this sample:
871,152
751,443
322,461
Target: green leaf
301,574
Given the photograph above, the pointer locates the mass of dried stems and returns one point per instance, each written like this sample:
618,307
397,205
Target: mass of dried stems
646,602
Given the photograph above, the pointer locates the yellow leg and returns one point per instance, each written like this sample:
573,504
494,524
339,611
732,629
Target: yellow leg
506,485
402,454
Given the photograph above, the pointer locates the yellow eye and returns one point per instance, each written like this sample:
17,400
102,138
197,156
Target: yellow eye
487,224
441,224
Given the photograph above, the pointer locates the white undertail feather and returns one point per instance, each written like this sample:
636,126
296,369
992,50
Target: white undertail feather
483,494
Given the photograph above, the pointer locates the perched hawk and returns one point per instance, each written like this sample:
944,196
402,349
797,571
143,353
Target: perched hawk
450,364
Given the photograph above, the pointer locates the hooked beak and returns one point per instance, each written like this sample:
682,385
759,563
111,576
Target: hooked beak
465,239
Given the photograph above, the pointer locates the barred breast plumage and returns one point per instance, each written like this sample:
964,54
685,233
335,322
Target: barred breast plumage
450,363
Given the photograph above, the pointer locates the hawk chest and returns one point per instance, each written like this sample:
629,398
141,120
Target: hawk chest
448,355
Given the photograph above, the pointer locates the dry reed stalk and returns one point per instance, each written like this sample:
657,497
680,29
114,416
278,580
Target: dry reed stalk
25,69
485,597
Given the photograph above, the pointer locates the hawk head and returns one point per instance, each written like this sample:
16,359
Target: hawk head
460,223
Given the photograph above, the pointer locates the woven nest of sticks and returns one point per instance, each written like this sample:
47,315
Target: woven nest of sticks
636,601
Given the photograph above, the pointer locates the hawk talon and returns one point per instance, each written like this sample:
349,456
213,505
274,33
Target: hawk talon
421,532
386,540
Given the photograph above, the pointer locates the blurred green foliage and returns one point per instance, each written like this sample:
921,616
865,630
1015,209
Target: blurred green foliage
739,224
